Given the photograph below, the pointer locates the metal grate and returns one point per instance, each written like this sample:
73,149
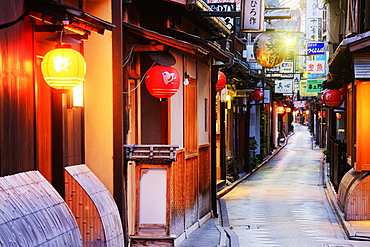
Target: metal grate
151,153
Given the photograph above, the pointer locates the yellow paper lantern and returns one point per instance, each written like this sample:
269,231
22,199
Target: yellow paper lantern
63,68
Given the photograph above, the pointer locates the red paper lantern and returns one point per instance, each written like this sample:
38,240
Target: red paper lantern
288,109
333,98
221,82
162,81
257,95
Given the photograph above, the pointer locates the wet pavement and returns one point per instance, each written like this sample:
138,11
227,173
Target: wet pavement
283,203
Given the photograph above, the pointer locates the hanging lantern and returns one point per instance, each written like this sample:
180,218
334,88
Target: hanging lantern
280,110
269,49
322,114
333,98
162,81
257,95
221,81
322,98
288,109
63,68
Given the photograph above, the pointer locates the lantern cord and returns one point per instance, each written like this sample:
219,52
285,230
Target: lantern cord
126,59
140,80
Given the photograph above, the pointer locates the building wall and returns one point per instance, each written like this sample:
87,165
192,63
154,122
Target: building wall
204,100
177,107
17,121
98,94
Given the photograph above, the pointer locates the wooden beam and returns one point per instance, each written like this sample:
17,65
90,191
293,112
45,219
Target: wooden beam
140,48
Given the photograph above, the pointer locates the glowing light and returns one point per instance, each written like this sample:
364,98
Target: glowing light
63,68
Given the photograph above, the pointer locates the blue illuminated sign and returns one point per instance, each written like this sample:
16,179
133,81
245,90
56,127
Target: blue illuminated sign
316,48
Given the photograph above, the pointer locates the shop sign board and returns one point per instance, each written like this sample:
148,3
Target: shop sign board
314,86
315,48
252,15
315,66
284,86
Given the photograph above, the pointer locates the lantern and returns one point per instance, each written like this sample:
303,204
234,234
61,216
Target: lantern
63,68
333,98
221,81
162,81
257,95
280,110
288,109
269,49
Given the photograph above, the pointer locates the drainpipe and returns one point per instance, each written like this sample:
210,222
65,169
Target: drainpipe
214,78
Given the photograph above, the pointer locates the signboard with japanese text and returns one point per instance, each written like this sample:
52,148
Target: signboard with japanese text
314,10
314,86
315,66
284,86
252,15
315,48
314,29
303,90
225,6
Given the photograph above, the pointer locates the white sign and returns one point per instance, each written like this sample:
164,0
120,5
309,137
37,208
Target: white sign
284,86
250,55
286,67
252,15
315,66
313,9
299,103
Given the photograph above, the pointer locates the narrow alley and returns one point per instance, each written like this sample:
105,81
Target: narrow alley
284,203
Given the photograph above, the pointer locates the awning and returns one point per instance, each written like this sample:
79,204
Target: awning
215,50
166,40
54,13
351,59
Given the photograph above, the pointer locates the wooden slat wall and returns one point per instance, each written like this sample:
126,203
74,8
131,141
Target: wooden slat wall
358,199
204,180
190,189
16,92
94,208
177,194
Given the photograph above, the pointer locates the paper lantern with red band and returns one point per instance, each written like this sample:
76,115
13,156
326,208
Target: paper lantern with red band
162,81
257,95
221,81
333,98
63,68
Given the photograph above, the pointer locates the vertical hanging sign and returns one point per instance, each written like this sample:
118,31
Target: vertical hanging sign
252,15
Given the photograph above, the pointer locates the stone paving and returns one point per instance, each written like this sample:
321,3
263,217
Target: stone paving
284,202
207,235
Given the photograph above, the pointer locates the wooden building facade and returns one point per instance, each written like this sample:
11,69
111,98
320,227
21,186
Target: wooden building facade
349,66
